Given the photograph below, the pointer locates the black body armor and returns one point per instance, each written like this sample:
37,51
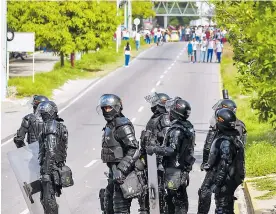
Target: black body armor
53,144
32,126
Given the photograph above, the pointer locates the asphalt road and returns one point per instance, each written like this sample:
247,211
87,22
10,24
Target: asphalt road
164,69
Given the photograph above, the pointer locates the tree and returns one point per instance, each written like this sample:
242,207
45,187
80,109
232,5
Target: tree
251,27
142,9
66,27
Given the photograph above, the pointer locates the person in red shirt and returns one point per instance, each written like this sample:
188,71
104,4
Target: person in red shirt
207,34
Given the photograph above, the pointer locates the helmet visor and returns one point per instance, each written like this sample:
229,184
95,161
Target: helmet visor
169,104
107,101
215,107
152,99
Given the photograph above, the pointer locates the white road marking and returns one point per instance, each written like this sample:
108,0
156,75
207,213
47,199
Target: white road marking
133,119
140,109
158,83
169,68
165,72
161,76
172,64
91,163
93,149
26,211
152,90
177,57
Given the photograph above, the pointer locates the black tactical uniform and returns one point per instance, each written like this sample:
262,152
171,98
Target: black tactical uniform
154,134
205,194
52,155
225,167
119,149
31,124
178,153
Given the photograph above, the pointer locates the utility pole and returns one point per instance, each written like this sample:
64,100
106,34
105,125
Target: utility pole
129,16
4,49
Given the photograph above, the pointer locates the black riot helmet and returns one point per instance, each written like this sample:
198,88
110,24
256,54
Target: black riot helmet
37,99
111,106
226,119
225,103
178,109
48,110
157,101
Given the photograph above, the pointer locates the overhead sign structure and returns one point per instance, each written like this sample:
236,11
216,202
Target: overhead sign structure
136,21
22,42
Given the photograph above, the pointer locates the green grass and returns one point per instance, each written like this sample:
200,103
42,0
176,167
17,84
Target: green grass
261,146
91,65
265,184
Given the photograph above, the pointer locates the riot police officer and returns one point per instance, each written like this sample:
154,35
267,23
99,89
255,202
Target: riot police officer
31,124
53,143
225,167
120,149
204,193
155,131
178,152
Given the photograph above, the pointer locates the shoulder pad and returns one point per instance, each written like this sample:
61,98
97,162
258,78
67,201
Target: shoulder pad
28,116
50,127
121,121
165,120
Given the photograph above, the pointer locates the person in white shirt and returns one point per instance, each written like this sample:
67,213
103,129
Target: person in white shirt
127,54
137,37
159,35
195,44
219,50
127,35
210,50
203,48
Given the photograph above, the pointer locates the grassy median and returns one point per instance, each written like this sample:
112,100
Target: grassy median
261,146
91,65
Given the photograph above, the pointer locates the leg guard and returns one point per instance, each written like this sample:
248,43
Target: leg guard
144,204
205,194
101,197
108,199
224,203
161,192
180,201
120,204
169,202
47,197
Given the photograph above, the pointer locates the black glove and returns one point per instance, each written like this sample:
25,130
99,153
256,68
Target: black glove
118,175
202,166
150,150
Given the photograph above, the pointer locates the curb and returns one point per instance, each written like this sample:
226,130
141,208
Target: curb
249,198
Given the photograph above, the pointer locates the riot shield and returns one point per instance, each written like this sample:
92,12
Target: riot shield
153,184
24,163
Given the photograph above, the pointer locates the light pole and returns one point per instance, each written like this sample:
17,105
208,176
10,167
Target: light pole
4,49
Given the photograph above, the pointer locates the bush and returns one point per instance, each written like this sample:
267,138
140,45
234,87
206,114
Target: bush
260,147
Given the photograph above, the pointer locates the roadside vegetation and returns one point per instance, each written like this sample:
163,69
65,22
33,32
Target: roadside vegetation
260,146
67,28
251,81
91,65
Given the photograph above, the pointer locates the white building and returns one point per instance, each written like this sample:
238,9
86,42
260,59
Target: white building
202,21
